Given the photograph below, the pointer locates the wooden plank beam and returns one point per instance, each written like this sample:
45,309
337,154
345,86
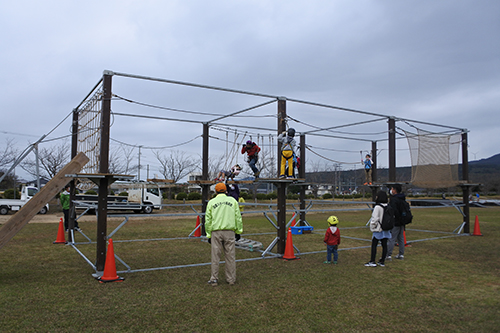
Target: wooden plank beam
201,182
33,206
240,181
154,180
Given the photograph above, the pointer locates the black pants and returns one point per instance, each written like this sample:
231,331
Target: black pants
66,219
374,249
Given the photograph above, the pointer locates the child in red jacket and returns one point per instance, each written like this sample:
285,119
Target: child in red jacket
332,240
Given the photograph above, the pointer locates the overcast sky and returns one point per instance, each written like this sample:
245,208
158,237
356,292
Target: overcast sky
432,61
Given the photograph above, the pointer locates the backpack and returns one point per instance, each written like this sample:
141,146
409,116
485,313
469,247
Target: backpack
388,218
406,216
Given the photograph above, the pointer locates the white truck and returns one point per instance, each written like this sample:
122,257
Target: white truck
27,192
141,197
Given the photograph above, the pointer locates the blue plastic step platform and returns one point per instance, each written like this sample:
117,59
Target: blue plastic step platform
301,230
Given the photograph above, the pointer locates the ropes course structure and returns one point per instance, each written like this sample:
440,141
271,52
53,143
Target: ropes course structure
91,135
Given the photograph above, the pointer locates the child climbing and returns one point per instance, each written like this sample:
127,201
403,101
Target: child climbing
228,174
252,151
332,240
287,152
368,169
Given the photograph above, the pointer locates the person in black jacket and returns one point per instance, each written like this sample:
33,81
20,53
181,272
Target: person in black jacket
396,201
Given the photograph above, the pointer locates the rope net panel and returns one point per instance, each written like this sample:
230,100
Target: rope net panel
434,159
89,134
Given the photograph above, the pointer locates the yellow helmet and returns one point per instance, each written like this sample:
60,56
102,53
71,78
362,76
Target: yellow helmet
333,220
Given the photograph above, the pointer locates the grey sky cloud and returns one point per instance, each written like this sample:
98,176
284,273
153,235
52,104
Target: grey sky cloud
434,61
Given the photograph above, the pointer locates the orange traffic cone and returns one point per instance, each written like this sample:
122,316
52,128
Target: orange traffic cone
477,230
60,234
404,237
197,232
110,266
293,222
289,254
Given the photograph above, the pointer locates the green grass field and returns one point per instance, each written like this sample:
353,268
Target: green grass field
448,284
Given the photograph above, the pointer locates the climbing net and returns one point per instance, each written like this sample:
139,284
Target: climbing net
434,158
89,132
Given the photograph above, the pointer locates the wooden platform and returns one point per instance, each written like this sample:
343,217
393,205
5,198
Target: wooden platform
154,180
280,180
256,180
211,182
201,182
95,177
240,181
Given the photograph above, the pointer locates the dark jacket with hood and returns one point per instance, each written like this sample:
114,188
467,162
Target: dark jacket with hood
396,203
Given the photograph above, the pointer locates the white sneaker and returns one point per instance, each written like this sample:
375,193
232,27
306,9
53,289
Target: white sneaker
399,256
213,283
388,258
371,264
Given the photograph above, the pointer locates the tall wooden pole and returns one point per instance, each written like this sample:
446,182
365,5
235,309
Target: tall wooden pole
281,200
392,150
205,190
374,169
302,174
465,177
74,149
102,199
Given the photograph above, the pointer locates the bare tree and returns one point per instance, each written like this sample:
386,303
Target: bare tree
121,160
115,162
128,159
267,163
316,172
8,153
52,160
176,165
215,164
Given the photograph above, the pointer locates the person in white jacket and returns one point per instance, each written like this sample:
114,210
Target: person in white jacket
383,236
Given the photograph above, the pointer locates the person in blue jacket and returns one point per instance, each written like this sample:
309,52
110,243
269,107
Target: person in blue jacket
368,163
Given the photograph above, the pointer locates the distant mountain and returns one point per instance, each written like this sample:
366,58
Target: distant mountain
493,160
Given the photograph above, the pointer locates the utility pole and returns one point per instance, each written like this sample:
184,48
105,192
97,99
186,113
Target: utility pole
139,164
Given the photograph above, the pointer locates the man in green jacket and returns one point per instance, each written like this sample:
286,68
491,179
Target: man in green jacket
64,198
223,225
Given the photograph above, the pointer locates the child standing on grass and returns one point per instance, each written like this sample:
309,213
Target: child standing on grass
332,240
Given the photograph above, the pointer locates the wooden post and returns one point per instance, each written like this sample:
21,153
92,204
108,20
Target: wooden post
281,200
33,206
74,151
465,177
392,149
102,198
205,189
374,169
302,174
